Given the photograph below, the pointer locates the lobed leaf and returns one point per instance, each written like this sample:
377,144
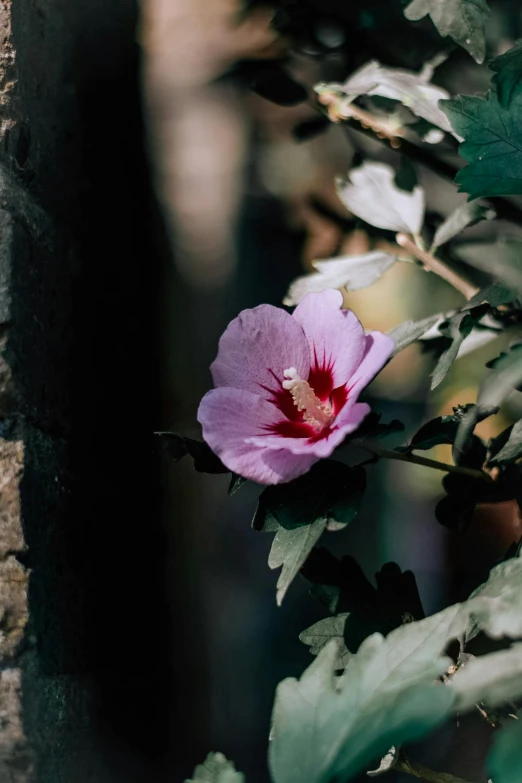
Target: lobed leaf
492,143
350,272
492,679
462,20
508,76
327,727
411,89
499,613
216,769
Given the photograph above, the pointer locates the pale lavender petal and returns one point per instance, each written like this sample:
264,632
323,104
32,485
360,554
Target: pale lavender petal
348,421
378,349
229,417
335,336
257,347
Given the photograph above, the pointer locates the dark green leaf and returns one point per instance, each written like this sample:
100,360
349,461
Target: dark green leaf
462,20
465,215
373,428
178,446
406,177
492,144
508,77
504,762
216,769
319,634
331,491
469,450
505,376
342,587
443,429
328,728
496,294
507,446
236,482
456,329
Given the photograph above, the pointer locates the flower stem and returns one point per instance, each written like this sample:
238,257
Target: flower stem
404,764
436,266
379,451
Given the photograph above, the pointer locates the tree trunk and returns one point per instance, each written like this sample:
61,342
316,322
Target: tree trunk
85,688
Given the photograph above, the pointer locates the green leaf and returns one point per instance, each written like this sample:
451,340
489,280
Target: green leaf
178,446
216,769
236,482
505,376
342,587
442,429
456,329
499,612
465,215
508,77
326,498
511,448
406,176
492,679
410,331
495,294
350,272
327,727
372,427
330,491
504,762
462,20
492,144
370,193
290,548
319,634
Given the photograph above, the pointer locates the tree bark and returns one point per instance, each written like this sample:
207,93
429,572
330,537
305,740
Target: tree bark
86,684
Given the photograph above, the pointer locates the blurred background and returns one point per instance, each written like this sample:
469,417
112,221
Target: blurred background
247,208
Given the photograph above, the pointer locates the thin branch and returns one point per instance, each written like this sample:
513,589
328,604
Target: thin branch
405,764
379,451
505,209
433,264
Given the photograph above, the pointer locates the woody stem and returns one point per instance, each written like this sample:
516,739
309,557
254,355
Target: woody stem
404,764
433,264
379,451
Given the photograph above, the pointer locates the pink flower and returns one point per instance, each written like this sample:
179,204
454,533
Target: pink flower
287,386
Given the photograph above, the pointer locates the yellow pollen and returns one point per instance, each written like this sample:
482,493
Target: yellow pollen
316,413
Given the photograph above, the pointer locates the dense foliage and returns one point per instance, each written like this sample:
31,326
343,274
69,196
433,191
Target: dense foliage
384,675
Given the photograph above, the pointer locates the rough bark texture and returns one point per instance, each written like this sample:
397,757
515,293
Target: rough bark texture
85,688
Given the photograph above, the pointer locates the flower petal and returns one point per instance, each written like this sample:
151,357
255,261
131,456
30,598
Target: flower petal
378,349
335,336
348,421
257,347
229,417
